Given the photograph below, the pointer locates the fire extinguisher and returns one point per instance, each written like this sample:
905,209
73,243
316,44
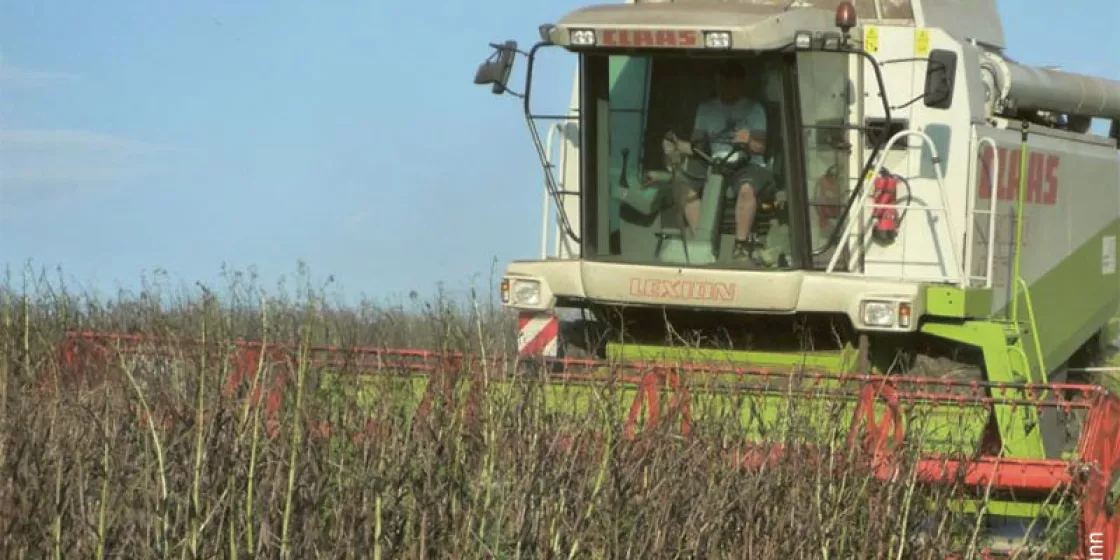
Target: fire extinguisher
828,198
886,218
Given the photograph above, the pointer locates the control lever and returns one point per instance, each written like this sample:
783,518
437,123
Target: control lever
622,179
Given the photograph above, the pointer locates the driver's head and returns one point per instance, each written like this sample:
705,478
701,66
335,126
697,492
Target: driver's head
730,81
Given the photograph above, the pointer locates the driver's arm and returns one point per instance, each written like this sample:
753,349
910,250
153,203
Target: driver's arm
675,146
701,122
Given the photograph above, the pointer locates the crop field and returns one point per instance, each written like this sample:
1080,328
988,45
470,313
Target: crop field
167,453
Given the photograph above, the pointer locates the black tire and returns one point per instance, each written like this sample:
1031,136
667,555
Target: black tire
582,340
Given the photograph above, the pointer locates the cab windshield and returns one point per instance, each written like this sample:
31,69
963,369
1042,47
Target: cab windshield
687,160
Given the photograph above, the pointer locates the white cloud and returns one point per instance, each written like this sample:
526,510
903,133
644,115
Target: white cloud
43,163
70,139
11,76
57,160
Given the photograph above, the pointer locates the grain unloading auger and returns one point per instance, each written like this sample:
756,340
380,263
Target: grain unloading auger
872,189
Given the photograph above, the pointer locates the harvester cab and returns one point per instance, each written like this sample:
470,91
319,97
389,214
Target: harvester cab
671,160
689,188
835,188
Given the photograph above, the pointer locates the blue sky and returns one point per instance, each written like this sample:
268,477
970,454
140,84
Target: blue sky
137,136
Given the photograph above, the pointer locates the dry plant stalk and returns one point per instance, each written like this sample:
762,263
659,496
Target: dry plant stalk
159,480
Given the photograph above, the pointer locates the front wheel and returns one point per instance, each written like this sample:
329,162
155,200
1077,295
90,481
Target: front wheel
582,339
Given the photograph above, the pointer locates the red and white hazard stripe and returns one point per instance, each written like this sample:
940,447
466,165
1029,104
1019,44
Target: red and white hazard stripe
538,334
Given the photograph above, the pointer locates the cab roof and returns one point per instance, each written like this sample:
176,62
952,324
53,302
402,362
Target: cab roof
966,20
752,26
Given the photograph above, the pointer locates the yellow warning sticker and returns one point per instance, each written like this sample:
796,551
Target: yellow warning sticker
921,42
871,39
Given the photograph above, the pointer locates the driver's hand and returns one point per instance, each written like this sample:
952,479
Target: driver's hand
668,146
743,136
673,146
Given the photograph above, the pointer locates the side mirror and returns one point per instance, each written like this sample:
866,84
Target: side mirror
941,79
497,68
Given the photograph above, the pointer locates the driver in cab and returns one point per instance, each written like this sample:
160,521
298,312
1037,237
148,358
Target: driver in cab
731,118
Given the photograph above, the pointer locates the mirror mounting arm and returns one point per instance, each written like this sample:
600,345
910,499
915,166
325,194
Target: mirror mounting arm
532,57
553,188
496,71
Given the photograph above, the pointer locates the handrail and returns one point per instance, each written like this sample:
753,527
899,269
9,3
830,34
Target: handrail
564,142
934,157
992,199
1017,350
1021,286
1033,322
1017,265
552,131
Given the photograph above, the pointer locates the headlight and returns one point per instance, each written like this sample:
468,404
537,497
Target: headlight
582,37
717,39
526,292
878,313
803,40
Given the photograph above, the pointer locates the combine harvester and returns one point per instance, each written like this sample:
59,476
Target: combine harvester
928,245
933,235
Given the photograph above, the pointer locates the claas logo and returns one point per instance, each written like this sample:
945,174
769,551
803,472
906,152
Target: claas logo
1042,176
648,38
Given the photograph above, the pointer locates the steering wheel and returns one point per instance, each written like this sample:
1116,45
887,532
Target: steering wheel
720,164
723,166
